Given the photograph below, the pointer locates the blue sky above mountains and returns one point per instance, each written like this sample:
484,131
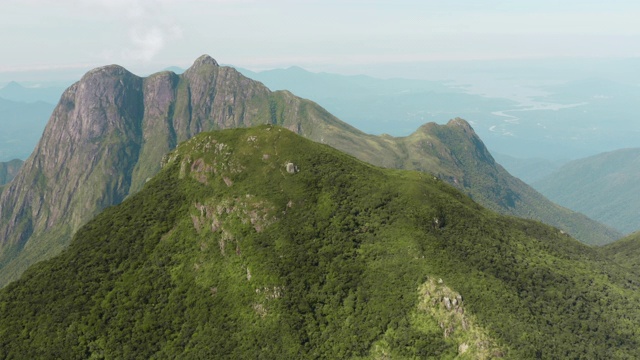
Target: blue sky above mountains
147,35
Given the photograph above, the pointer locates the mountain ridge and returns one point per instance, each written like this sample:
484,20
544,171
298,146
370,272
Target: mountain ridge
609,179
110,131
257,242
8,170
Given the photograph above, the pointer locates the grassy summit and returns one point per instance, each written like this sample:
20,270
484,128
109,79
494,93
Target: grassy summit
258,243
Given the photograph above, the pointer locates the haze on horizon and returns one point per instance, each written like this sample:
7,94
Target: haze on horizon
357,36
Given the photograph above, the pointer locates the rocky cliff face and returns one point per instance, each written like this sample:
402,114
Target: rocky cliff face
109,132
107,136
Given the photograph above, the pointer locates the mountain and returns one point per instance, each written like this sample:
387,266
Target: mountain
175,69
512,105
108,134
258,243
605,187
8,170
528,170
21,126
625,252
16,92
462,159
395,106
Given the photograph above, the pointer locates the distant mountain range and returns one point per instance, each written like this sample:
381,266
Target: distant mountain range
111,130
258,243
377,106
15,92
528,170
21,126
605,187
572,120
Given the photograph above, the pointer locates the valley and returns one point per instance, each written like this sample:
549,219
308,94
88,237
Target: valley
344,180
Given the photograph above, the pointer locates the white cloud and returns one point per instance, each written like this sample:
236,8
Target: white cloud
147,42
149,27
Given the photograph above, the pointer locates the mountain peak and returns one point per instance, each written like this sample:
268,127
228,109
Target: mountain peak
204,60
461,123
13,86
108,70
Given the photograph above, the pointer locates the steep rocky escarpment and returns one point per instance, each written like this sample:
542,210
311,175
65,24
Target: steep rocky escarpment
107,136
82,163
110,131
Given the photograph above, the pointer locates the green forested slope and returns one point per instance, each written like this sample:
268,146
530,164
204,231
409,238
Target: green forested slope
257,243
109,132
625,252
605,187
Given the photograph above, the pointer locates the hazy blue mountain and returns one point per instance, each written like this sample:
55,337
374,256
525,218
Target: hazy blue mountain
605,187
111,129
16,92
392,106
175,69
574,118
21,125
528,170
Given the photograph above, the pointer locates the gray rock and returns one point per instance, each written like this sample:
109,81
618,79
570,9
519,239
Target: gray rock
292,168
447,303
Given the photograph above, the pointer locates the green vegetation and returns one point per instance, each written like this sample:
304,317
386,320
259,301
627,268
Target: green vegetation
229,252
135,121
605,187
625,252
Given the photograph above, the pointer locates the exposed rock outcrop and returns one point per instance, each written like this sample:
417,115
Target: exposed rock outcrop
108,135
110,131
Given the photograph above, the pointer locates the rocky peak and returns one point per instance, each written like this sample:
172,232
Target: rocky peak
111,129
108,70
461,123
80,164
204,60
107,135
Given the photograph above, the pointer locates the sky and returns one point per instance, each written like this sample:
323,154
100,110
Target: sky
327,35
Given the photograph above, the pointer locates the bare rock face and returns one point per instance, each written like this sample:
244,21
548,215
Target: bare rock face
110,131
108,135
75,169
